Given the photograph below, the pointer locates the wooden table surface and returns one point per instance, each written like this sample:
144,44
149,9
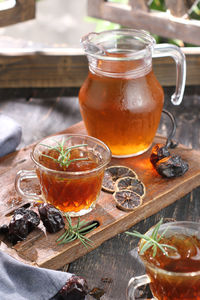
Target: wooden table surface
112,264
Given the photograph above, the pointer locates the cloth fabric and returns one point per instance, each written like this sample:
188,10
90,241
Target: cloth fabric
10,135
19,281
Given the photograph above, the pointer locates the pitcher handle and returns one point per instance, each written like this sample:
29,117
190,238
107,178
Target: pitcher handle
23,175
134,283
163,50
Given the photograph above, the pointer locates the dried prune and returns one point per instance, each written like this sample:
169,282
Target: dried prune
165,164
172,166
4,229
51,217
22,223
76,288
159,151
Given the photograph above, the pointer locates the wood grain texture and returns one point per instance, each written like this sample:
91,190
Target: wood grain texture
141,4
56,68
42,250
23,10
177,8
160,23
45,68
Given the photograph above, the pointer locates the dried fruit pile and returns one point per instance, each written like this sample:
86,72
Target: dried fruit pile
25,220
76,288
128,191
167,165
22,223
51,217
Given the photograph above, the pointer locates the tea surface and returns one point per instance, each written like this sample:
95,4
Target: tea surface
185,259
89,163
179,285
67,192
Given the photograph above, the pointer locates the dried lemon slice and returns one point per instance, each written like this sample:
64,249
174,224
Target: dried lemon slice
132,184
127,200
112,174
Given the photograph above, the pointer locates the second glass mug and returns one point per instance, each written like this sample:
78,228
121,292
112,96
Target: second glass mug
121,100
176,277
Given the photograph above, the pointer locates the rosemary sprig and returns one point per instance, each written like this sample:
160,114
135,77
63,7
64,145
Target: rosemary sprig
77,231
64,153
152,241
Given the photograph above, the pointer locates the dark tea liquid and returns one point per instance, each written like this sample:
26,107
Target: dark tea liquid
122,112
185,260
70,193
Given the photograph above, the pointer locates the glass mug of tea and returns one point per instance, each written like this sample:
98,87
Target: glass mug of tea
174,274
121,100
70,169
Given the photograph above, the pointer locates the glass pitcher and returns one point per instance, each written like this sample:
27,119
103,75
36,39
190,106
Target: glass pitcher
121,100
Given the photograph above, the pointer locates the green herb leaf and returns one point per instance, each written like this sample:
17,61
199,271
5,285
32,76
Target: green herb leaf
64,153
78,231
153,241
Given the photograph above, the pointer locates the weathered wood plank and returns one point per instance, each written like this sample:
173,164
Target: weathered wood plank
160,23
55,68
141,4
43,250
23,10
177,8
94,5
45,68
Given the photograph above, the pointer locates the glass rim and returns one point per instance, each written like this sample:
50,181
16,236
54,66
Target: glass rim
65,173
141,35
171,273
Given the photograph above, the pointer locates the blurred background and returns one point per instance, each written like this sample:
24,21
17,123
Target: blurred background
57,23
62,23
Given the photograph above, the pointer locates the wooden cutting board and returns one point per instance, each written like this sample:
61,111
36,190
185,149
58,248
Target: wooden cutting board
41,249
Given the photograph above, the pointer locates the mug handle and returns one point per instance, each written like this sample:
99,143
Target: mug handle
23,175
163,50
134,283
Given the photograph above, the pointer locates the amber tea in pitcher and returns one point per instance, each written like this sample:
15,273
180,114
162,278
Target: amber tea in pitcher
121,100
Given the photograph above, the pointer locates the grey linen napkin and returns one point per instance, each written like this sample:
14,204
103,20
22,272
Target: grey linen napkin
19,281
10,135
